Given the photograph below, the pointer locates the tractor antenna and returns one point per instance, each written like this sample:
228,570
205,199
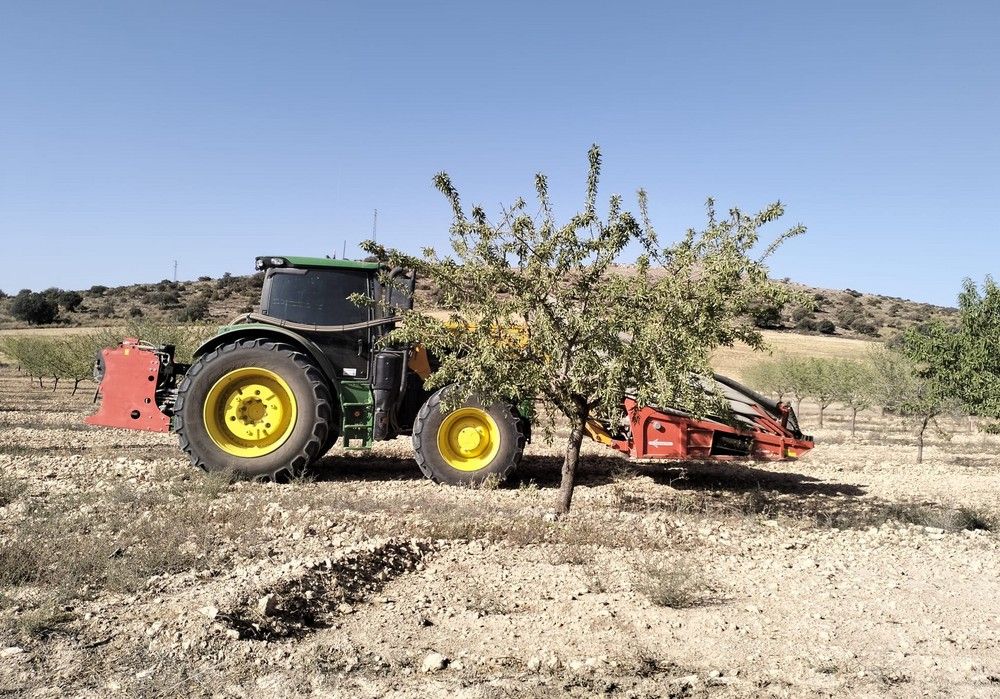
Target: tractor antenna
375,226
175,270
343,255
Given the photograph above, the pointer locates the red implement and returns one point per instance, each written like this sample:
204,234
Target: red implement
128,389
758,428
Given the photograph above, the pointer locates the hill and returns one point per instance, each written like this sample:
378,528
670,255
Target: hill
843,313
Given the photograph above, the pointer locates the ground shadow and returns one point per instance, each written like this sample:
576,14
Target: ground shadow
545,472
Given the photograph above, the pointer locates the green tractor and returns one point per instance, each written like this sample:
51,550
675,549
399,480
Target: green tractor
272,392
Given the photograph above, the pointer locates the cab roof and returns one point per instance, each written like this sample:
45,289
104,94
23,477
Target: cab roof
266,261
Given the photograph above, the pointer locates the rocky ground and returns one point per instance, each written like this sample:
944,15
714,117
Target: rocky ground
853,572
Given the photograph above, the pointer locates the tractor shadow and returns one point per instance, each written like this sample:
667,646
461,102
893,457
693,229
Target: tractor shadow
545,472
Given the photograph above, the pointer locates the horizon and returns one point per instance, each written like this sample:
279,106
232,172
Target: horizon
136,135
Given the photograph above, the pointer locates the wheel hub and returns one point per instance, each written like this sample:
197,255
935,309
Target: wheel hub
250,412
468,439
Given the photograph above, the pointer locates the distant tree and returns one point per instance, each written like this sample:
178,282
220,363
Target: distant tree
98,290
35,308
819,382
135,312
70,300
766,315
852,386
784,375
590,334
910,389
969,353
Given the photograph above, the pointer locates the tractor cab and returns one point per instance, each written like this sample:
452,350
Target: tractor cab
318,291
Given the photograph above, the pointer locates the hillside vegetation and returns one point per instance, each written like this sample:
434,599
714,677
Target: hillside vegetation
843,313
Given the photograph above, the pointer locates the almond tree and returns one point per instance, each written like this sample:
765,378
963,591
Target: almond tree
852,382
910,389
588,330
819,382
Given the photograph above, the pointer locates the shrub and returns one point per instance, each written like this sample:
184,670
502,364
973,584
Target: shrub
162,299
826,326
135,312
196,310
800,312
805,324
668,583
864,327
34,308
98,290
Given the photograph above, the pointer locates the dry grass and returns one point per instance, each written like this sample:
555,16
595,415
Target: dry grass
668,582
733,361
10,489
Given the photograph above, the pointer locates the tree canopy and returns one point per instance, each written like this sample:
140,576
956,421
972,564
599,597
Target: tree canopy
542,309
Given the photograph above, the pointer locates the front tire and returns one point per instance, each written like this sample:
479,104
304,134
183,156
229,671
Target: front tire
469,444
256,408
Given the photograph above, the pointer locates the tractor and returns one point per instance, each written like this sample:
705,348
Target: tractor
273,391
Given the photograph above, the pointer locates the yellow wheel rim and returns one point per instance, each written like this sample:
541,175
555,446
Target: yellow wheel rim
250,412
468,439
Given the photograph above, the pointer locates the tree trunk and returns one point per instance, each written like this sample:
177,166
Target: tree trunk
55,384
76,385
571,458
854,420
821,409
920,440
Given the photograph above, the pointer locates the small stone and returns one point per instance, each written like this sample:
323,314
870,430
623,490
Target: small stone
434,662
12,650
534,663
267,605
345,608
209,611
689,681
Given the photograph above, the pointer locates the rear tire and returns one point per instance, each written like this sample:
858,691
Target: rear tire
256,408
470,444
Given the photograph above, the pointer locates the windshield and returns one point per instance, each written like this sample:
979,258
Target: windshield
316,296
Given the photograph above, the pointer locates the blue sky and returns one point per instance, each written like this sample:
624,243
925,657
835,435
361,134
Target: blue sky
136,133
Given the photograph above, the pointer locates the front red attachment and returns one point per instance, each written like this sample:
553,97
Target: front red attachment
128,389
662,434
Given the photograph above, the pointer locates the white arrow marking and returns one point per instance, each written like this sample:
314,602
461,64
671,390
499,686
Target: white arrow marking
660,443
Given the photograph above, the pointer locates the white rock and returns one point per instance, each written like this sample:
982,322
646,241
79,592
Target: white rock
534,663
12,650
267,605
434,662
209,611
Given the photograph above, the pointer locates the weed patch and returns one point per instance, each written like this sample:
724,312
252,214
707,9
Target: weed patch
668,582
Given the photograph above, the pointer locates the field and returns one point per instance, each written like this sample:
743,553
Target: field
852,572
